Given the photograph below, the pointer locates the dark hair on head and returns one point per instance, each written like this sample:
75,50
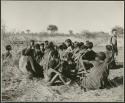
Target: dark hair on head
32,41
89,45
114,30
37,46
8,47
62,46
54,53
50,45
42,44
109,47
68,40
101,55
69,55
76,43
87,41
81,44
46,41
84,47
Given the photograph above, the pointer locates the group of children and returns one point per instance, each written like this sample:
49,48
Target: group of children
70,60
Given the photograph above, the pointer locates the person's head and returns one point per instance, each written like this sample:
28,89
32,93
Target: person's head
42,46
84,47
37,47
46,43
87,41
50,46
100,56
114,32
54,54
8,48
62,46
69,56
32,42
68,42
89,45
76,44
108,48
81,44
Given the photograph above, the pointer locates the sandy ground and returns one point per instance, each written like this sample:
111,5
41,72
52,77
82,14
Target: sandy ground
16,87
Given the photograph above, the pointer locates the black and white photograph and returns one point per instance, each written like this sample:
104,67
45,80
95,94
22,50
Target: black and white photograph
62,51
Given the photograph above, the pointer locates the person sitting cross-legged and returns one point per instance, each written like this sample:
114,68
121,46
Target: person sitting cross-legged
31,59
98,75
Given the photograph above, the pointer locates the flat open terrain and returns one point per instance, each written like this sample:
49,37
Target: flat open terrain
15,86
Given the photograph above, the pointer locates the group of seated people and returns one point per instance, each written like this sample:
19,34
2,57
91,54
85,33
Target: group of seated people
73,61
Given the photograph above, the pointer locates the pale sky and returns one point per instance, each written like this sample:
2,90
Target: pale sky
67,15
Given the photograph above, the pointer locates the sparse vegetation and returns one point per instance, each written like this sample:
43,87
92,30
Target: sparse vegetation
52,28
16,87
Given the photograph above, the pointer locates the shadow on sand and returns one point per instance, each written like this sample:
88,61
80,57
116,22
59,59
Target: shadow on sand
117,65
115,82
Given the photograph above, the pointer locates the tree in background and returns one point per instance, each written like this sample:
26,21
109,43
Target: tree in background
86,33
119,29
28,31
22,32
71,32
52,28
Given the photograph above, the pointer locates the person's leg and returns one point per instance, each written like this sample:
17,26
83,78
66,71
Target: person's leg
83,84
82,65
39,70
30,60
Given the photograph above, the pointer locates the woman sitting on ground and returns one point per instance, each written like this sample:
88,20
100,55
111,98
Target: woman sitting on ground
30,61
97,77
